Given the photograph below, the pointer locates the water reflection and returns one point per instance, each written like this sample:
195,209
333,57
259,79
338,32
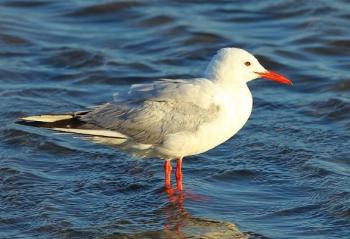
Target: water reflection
179,223
175,213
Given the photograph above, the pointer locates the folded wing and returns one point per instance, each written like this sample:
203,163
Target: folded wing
149,112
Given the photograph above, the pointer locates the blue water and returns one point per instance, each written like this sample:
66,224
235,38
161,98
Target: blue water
286,174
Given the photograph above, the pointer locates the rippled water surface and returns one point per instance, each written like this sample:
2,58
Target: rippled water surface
284,175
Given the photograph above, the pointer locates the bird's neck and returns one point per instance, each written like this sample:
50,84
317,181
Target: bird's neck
225,79
222,73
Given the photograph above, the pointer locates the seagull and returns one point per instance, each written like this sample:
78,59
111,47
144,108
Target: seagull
171,118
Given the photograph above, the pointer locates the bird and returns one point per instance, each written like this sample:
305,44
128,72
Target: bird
171,118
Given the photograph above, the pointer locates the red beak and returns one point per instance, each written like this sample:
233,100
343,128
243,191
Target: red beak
272,75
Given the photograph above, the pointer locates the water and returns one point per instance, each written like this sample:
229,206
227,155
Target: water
284,175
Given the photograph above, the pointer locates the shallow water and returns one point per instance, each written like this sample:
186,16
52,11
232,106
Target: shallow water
286,174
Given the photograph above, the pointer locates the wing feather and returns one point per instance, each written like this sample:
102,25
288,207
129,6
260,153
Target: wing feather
149,112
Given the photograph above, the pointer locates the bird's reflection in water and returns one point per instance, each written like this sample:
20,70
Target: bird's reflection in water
181,224
178,220
175,213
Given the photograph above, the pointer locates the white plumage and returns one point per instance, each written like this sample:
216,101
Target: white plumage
172,118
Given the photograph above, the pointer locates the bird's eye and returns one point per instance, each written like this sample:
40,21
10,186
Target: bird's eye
247,63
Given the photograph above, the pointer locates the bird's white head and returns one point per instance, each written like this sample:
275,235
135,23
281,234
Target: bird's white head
239,66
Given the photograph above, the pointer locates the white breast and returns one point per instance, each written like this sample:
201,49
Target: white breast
235,108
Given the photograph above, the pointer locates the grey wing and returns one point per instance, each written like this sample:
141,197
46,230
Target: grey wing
153,114
153,120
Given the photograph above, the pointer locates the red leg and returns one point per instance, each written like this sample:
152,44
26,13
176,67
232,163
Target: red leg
179,174
167,172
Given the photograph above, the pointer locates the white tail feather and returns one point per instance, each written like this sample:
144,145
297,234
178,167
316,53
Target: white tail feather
47,118
93,132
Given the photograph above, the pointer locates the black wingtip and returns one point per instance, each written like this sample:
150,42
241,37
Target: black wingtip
31,123
65,123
